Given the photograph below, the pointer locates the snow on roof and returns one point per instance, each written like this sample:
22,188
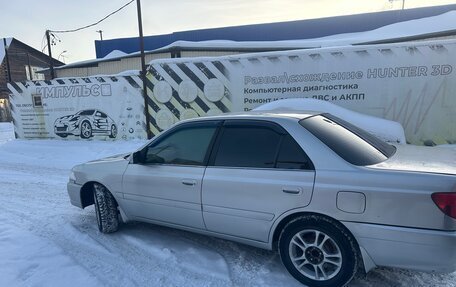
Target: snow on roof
115,54
228,44
424,27
384,129
445,22
2,47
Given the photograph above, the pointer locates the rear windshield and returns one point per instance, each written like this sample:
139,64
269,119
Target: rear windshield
351,143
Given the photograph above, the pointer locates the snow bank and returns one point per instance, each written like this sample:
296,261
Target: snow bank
6,131
386,130
63,153
28,260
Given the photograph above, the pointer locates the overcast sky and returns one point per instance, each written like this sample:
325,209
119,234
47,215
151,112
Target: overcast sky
27,20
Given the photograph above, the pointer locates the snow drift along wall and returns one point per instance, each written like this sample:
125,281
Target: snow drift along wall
411,83
108,107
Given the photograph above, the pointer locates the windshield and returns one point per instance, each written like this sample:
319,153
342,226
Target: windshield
351,143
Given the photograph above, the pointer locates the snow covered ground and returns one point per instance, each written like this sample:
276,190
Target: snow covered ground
44,241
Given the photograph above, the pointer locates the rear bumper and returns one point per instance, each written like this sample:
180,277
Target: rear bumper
74,192
410,248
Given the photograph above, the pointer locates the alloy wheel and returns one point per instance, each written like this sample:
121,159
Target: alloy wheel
315,255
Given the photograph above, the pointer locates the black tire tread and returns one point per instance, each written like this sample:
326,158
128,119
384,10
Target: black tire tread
106,206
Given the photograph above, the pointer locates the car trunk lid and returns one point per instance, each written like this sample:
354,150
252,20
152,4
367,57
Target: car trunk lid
421,159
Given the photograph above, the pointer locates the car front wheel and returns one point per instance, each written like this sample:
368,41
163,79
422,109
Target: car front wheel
105,209
318,252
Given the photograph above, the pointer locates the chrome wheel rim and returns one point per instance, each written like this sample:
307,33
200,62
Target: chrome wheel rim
315,255
86,129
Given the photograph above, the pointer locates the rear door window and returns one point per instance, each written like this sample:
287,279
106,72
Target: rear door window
248,146
259,146
291,155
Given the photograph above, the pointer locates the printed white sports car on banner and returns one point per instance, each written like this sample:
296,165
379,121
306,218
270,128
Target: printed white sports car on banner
86,124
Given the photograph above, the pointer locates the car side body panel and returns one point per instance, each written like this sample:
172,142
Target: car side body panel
410,248
108,171
165,193
404,199
245,202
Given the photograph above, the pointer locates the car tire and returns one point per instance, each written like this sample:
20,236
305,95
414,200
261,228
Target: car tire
318,251
113,133
105,209
86,130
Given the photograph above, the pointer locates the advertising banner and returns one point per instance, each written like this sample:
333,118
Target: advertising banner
107,108
411,83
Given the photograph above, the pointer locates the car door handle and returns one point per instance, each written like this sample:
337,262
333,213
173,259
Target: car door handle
292,190
189,182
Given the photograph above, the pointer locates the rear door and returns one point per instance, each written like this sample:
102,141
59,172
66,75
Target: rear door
257,171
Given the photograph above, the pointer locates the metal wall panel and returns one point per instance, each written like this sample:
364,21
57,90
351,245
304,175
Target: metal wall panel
207,53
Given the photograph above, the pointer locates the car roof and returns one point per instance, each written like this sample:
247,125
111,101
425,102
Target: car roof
261,115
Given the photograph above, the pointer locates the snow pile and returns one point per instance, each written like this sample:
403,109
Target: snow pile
6,131
386,130
29,260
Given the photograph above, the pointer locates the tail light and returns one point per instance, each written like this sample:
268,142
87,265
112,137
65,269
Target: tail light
446,201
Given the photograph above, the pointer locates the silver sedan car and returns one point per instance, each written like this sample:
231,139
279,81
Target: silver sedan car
330,197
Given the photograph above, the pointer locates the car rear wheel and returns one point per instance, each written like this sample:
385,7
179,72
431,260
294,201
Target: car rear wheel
86,130
113,133
318,252
105,209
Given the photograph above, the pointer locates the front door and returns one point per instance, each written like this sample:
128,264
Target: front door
166,187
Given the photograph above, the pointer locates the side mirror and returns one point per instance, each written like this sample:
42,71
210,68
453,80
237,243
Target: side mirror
140,156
